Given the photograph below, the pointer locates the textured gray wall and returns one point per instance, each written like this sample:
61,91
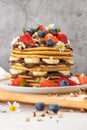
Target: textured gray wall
69,15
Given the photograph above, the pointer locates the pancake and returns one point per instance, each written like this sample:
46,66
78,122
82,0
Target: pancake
48,53
40,55
40,49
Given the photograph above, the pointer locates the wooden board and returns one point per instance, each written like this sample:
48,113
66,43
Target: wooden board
65,101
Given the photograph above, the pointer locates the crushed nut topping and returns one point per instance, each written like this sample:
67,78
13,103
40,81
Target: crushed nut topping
72,95
38,118
43,113
21,46
27,119
60,114
82,110
34,114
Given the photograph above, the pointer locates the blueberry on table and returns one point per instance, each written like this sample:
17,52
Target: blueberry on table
64,83
49,42
54,107
41,33
31,31
40,106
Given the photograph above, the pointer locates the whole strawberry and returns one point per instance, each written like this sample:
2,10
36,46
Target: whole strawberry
62,37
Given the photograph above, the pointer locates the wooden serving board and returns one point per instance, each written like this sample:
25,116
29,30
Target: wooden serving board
65,101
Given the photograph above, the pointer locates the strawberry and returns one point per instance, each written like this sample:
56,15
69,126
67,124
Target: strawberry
71,83
18,82
68,80
48,83
50,36
83,78
26,39
41,27
62,37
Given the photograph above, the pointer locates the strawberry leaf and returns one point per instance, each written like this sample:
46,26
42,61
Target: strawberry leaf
22,83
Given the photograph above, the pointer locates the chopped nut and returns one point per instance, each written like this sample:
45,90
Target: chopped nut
21,46
72,95
57,121
46,111
43,113
34,114
38,118
82,110
35,35
49,112
51,117
80,91
76,94
27,119
60,114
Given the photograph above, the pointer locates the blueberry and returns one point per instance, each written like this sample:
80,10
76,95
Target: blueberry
54,107
40,106
41,33
64,83
31,31
53,31
49,42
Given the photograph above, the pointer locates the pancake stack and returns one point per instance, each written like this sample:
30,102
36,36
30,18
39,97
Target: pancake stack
41,53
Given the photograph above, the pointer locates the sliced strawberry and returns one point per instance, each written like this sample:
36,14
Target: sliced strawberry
62,37
18,82
26,39
68,80
50,36
41,27
71,83
48,83
83,78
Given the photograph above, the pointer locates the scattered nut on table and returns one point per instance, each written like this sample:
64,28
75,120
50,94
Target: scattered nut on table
60,114
27,119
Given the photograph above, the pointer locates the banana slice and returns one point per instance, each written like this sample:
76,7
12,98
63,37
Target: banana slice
31,60
13,58
14,71
65,72
51,61
36,73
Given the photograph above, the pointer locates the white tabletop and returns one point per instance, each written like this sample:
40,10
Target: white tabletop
16,120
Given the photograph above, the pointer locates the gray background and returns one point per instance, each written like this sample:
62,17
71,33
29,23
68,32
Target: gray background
69,15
